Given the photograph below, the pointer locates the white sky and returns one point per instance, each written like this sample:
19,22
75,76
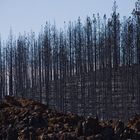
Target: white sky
27,15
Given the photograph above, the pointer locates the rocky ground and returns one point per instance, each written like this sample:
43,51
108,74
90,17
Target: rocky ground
25,119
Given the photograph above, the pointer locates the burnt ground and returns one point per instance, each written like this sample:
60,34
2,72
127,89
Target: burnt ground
25,119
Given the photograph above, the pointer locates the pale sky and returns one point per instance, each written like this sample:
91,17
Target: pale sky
27,15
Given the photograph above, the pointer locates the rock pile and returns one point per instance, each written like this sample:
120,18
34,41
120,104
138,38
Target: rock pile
24,119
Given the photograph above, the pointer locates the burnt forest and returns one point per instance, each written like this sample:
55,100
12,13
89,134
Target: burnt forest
80,82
